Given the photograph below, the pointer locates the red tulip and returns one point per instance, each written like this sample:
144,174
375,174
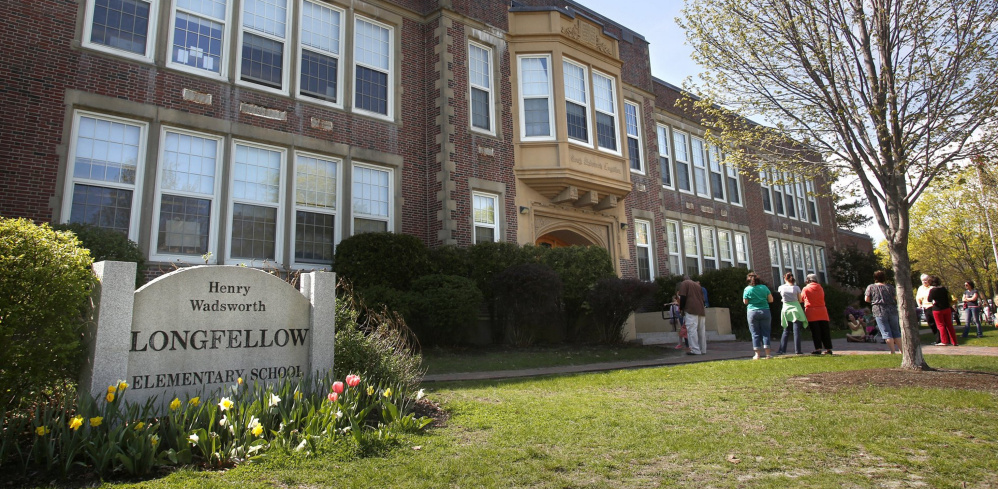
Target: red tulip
333,397
353,380
338,387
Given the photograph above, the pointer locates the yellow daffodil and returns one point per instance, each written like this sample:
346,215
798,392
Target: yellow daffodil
195,401
239,381
370,390
42,430
254,426
225,404
139,426
109,397
122,385
154,440
75,423
298,395
96,421
111,389
388,392
175,405
258,430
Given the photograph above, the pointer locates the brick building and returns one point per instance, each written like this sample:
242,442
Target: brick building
266,131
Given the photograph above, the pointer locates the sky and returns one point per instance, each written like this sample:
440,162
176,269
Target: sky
655,20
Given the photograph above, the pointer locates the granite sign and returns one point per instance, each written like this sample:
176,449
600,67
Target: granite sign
200,328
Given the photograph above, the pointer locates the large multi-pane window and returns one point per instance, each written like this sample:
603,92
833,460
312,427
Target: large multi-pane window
691,247
709,249
734,189
799,262
767,203
319,54
105,171
775,262
633,122
821,266
809,259
725,247
372,199
123,27
801,198
316,191
535,97
256,196
486,210
741,250
576,102
700,167
664,164
372,67
672,237
812,203
777,192
682,161
605,100
788,193
480,82
186,189
716,173
642,247
198,32
263,44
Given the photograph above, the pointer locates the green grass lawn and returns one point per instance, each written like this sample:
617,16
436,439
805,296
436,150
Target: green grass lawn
491,359
990,337
727,424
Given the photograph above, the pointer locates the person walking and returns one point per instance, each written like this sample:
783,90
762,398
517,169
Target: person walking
792,314
972,304
885,309
691,303
757,298
925,307
942,311
813,297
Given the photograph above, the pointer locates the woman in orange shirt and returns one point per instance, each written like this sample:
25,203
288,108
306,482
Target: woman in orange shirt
813,297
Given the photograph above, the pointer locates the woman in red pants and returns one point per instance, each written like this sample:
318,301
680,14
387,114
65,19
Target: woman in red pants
942,312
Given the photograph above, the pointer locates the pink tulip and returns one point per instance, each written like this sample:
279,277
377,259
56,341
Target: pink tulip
333,397
353,380
338,387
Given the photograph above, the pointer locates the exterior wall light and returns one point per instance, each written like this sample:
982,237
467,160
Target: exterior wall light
524,209
623,226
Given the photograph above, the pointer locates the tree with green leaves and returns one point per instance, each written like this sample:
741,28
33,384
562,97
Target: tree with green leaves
892,92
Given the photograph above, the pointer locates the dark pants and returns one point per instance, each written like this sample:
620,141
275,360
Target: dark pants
797,327
931,321
821,335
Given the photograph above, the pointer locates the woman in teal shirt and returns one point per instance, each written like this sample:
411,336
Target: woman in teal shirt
757,298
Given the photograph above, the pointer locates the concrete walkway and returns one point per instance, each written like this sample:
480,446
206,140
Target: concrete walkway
721,350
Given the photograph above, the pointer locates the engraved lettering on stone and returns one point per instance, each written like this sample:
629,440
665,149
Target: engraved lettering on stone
262,112
587,34
197,97
690,206
706,209
797,229
321,125
487,152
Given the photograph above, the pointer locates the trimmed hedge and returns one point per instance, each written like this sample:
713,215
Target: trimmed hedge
527,301
580,268
443,307
612,300
389,259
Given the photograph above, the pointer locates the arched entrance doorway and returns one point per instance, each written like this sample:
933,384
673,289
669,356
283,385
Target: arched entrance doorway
562,238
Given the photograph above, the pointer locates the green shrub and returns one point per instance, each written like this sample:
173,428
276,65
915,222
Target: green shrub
579,268
380,347
444,308
527,299
666,288
836,300
611,302
45,282
389,259
724,289
381,296
108,244
488,260
450,260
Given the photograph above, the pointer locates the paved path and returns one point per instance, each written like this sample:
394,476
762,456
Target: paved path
721,350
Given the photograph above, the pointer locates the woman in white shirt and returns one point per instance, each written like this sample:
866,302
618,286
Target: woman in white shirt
792,313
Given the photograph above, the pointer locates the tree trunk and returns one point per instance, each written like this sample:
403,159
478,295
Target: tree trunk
911,346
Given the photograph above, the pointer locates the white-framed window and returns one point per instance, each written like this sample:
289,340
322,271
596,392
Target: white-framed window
482,96
535,98
775,262
700,168
683,179
642,247
767,202
812,202
373,85
777,193
188,182
664,162
632,118
317,196
106,158
799,261
320,65
486,210
801,198
373,199
788,263
256,226
716,173
821,266
691,247
577,102
199,34
788,193
672,240
707,236
605,101
263,45
809,259
734,186
726,249
123,27
741,250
